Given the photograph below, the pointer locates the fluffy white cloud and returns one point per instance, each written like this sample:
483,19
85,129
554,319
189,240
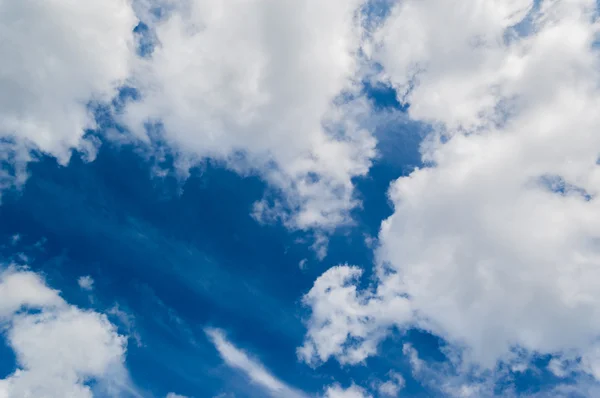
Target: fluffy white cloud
354,391
58,55
340,312
263,79
269,88
25,289
256,372
59,347
495,244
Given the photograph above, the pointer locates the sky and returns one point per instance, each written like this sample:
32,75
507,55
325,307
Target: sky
299,199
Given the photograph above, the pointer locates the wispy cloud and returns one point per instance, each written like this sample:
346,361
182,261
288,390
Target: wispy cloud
256,372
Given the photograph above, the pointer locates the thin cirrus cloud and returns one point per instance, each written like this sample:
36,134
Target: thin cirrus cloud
256,372
493,245
262,377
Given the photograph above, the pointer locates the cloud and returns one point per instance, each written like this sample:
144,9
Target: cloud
493,245
86,282
59,348
269,88
341,312
496,243
25,289
127,321
252,368
258,374
173,395
455,378
337,391
392,386
451,379
75,53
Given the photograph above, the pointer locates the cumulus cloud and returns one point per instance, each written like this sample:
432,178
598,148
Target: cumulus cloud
256,372
57,56
494,244
269,88
354,391
59,348
341,312
25,289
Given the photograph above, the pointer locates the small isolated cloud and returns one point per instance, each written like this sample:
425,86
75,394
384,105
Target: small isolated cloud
302,264
392,386
15,239
252,368
60,348
86,283
354,391
173,395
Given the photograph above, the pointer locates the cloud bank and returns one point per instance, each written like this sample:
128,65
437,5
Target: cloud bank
493,245
274,93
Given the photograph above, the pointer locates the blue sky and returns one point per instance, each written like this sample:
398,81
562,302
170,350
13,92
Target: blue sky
159,247
342,199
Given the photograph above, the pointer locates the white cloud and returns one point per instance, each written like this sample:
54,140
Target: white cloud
392,386
127,321
58,55
354,391
252,368
269,88
259,375
490,254
173,395
302,264
454,379
60,348
20,289
341,312
86,282
557,367
495,244
262,78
